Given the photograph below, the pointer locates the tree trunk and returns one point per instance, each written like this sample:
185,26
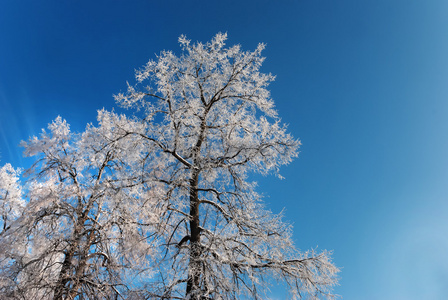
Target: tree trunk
64,277
194,265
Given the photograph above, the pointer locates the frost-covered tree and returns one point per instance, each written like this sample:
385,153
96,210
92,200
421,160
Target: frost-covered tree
79,236
210,123
11,200
160,206
11,206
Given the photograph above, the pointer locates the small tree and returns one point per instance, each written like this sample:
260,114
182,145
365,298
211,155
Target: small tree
11,206
11,199
79,233
209,124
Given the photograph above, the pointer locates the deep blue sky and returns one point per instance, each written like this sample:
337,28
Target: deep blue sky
363,84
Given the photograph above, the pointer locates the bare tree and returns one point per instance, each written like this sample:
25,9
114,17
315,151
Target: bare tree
209,124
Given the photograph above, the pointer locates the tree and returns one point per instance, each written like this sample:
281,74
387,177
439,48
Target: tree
11,205
78,236
160,205
209,123
11,200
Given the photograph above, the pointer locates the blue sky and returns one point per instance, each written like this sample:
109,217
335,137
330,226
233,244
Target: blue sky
363,84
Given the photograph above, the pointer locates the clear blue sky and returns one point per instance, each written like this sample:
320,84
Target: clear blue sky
363,84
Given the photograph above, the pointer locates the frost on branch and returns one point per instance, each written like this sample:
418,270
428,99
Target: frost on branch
209,123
